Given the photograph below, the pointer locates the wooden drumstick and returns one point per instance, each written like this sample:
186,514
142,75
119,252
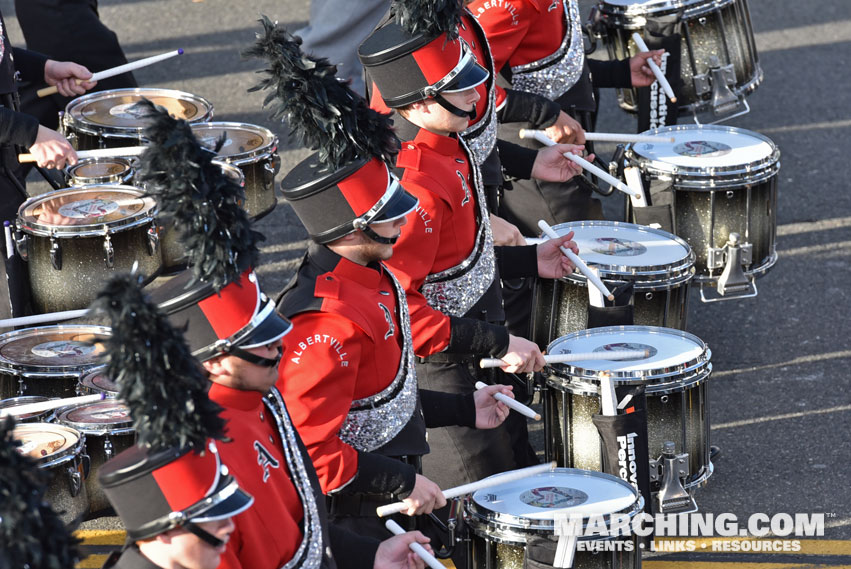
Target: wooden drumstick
50,405
97,153
107,73
509,402
568,358
660,77
427,557
495,480
578,263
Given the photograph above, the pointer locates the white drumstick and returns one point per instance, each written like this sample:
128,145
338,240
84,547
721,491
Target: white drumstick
516,405
495,480
608,397
625,137
579,263
542,137
42,318
660,77
97,153
429,559
107,73
50,405
565,359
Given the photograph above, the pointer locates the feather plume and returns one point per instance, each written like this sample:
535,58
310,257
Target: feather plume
162,384
31,534
323,113
429,17
202,201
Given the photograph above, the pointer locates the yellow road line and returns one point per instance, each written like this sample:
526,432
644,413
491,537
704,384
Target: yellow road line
101,536
92,562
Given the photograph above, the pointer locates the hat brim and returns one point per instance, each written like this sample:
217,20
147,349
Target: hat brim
400,204
472,75
236,503
272,328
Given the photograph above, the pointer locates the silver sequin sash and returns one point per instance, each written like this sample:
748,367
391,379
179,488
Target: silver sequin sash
456,290
481,137
374,421
310,551
553,75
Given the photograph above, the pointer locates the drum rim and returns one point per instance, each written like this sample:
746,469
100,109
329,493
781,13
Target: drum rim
669,274
9,365
80,123
147,214
90,387
24,400
59,457
111,179
632,16
95,429
241,158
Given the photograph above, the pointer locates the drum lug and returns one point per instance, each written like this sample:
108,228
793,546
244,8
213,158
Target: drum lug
108,449
75,478
55,253
670,470
272,167
153,239
108,250
21,245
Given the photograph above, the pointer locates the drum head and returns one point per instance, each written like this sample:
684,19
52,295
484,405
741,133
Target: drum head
114,109
85,210
100,417
45,442
25,400
52,348
100,170
565,491
241,140
98,382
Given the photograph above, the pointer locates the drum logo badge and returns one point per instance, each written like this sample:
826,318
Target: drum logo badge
62,349
702,148
551,497
85,209
617,247
628,346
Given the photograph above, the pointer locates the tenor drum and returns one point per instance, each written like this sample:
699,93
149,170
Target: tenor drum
675,376
74,239
724,182
108,119
89,171
48,360
35,416
58,450
254,150
720,65
658,264
95,382
108,428
508,520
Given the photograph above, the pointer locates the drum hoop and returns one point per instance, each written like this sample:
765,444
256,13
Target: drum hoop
251,156
686,380
88,384
80,123
7,364
634,16
24,400
61,457
96,429
147,214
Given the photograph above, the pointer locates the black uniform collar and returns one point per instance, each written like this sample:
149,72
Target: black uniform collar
131,558
328,261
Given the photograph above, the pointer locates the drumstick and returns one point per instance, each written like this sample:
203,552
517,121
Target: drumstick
97,153
516,405
617,137
568,358
429,559
542,137
107,73
495,480
608,398
50,405
660,77
579,263
41,318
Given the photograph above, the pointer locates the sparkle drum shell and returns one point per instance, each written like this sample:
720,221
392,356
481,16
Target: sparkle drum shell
675,376
657,263
77,237
48,360
504,519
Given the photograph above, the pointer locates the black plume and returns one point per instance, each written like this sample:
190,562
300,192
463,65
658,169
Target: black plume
31,534
322,111
162,384
199,198
429,17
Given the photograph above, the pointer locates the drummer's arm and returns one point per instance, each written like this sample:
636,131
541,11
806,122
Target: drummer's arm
30,64
17,128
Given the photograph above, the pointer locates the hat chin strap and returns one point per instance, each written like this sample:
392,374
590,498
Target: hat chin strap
254,358
204,536
359,223
471,114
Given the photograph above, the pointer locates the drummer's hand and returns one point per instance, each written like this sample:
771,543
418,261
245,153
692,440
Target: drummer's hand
395,552
552,263
505,233
551,165
52,150
566,130
425,497
523,356
639,71
490,413
64,75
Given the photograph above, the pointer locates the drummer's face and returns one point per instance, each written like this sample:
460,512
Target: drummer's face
188,551
237,373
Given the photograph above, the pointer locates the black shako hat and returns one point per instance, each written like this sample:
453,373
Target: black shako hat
418,54
346,185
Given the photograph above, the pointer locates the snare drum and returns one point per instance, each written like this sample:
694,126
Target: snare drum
108,119
720,65
724,182
108,428
35,416
675,376
58,450
254,150
505,519
48,360
89,171
657,263
75,238
96,381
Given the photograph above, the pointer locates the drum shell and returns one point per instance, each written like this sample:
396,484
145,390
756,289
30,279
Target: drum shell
37,417
259,175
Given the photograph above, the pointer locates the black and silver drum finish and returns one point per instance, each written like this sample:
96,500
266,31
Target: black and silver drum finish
675,376
35,416
254,150
91,171
724,184
507,519
48,360
73,239
720,64
658,264
59,451
107,119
